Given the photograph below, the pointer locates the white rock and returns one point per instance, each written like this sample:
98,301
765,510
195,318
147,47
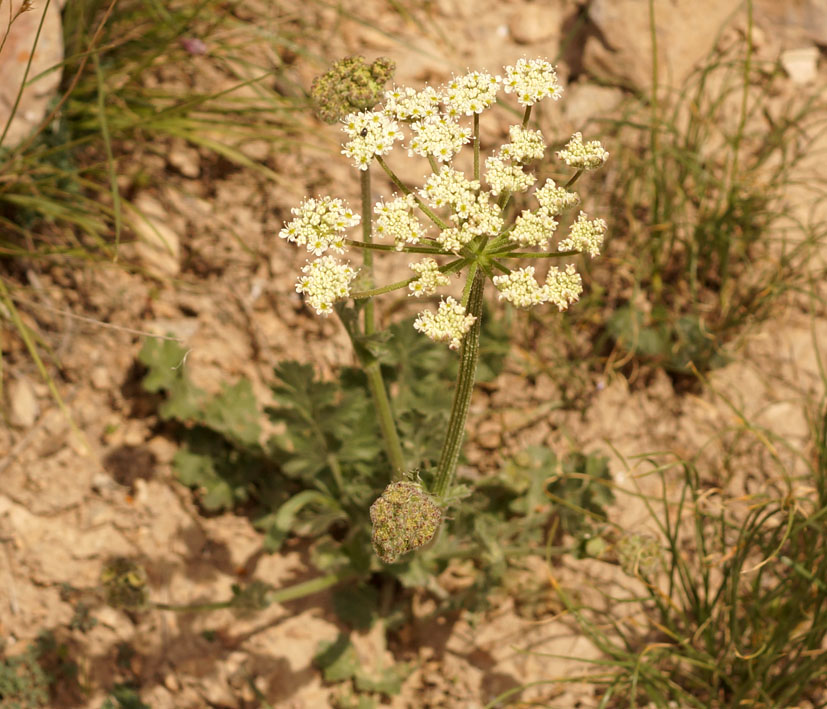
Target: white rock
23,405
14,58
801,65
686,31
158,247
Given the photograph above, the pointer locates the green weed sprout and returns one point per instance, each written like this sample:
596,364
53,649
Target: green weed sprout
452,225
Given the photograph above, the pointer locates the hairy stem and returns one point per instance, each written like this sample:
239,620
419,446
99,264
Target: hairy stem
469,355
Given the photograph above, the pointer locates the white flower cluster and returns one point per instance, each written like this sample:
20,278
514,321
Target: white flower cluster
554,199
533,229
449,187
429,278
585,235
504,177
522,290
471,93
477,215
449,324
320,225
525,145
454,238
439,137
563,287
409,104
396,220
371,133
584,156
462,210
326,281
532,80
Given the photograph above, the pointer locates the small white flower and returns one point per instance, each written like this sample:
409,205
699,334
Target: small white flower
584,156
555,199
396,220
320,224
506,178
439,137
371,133
519,288
478,216
429,278
531,81
448,187
533,229
454,238
408,104
525,145
449,324
562,287
585,235
326,280
471,93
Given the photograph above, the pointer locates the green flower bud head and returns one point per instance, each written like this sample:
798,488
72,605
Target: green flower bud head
124,584
639,554
404,518
350,86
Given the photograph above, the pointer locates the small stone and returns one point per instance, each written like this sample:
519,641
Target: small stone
185,159
801,64
258,150
158,247
100,378
23,405
162,448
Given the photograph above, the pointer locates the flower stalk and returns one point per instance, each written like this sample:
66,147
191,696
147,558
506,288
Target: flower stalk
468,356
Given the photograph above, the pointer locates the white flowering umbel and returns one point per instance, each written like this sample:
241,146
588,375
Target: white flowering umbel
320,224
584,156
326,280
459,222
449,324
430,279
585,235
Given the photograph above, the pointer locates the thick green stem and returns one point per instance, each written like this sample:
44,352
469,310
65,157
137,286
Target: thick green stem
469,355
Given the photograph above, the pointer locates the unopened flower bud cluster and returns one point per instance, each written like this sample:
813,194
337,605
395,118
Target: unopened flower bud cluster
453,215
